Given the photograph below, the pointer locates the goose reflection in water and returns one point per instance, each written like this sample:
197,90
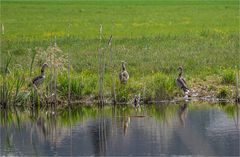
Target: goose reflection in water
183,110
126,123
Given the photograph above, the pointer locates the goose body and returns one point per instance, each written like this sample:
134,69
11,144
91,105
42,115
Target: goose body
181,83
123,75
38,80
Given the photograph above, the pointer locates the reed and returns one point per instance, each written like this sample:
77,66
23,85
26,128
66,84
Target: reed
113,90
69,76
33,55
2,29
237,83
51,67
100,68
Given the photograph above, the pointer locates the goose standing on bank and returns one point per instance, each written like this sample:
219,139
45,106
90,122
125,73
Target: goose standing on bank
39,79
123,75
181,83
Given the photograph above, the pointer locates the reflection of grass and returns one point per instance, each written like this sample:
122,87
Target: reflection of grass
229,109
162,113
66,116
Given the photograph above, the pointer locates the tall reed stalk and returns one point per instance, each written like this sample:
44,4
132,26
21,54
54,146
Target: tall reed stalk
100,68
69,90
51,67
113,90
55,75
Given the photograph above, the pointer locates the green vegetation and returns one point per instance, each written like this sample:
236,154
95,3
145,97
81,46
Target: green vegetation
153,37
223,93
229,76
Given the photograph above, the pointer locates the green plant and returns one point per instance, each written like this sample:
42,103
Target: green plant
222,93
228,76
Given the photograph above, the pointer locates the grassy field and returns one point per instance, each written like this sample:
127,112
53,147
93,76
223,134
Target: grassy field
153,37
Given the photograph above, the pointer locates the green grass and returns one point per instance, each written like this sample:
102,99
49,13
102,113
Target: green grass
153,37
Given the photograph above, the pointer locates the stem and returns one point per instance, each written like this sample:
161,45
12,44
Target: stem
112,71
69,96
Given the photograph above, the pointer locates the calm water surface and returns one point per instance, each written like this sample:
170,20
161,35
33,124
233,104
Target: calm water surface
180,129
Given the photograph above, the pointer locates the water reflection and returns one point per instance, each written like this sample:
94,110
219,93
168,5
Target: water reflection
183,113
175,129
126,123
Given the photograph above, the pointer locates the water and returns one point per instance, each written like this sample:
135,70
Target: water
181,129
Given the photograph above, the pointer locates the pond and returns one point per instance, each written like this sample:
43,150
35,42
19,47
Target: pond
172,129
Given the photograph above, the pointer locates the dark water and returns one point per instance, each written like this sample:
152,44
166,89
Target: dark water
181,129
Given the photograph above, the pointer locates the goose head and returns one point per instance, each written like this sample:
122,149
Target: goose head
123,65
44,66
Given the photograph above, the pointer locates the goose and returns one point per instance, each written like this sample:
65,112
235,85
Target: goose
181,83
123,75
39,79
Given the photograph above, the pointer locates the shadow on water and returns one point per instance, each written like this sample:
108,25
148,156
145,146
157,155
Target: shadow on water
177,129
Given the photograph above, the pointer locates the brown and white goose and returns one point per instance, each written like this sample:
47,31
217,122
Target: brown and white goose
123,75
39,79
181,83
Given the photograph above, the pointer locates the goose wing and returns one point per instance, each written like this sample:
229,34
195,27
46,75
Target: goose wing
181,84
183,80
38,80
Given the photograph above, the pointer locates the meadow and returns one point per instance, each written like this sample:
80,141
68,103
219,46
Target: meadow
153,37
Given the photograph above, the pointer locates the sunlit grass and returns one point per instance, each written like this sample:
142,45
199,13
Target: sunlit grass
154,39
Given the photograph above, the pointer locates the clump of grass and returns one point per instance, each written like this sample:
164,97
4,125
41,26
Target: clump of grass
159,86
82,84
228,76
125,92
222,93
